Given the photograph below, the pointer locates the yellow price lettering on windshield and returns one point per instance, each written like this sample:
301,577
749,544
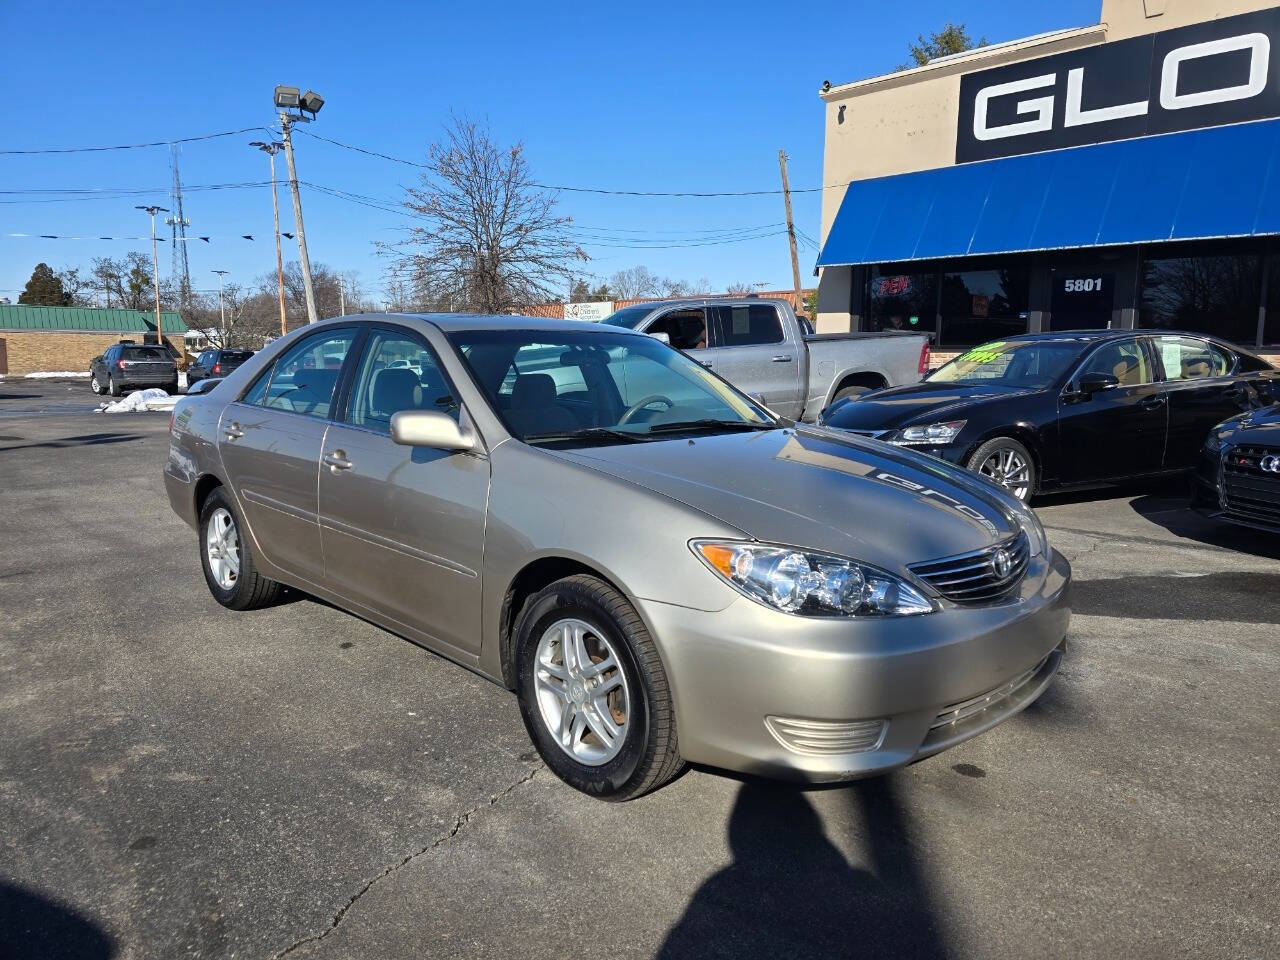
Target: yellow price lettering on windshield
984,354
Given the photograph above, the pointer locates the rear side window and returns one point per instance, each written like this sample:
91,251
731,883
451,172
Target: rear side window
1186,358
305,377
742,326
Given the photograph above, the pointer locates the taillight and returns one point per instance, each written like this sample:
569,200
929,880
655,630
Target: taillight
217,368
122,364
924,358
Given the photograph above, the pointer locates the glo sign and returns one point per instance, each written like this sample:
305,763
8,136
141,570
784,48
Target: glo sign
1205,75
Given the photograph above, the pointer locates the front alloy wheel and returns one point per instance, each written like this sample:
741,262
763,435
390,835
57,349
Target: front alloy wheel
583,698
1008,463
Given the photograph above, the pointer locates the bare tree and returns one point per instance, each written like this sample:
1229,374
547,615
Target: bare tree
491,240
76,288
636,283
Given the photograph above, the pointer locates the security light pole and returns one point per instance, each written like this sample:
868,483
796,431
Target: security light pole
222,310
271,149
155,269
307,103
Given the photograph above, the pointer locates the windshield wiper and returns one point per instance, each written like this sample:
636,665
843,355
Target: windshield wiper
587,433
710,424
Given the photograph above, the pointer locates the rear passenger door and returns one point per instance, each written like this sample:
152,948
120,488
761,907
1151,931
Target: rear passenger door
270,441
752,350
1202,392
403,527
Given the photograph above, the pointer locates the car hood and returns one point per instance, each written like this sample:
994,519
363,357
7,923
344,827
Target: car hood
917,402
821,490
1257,426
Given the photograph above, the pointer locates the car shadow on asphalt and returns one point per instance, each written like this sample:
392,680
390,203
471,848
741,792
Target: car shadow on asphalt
790,892
33,927
1228,597
1177,517
83,440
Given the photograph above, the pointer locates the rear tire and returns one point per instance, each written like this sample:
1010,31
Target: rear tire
1007,462
113,388
227,558
636,750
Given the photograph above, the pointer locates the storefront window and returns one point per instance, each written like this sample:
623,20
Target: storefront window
1216,294
983,305
902,301
1271,332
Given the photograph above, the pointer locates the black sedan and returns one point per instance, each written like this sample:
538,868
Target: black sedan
1073,409
1238,478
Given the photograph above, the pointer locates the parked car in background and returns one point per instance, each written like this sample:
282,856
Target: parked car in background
132,366
1238,477
1075,409
764,350
660,568
215,363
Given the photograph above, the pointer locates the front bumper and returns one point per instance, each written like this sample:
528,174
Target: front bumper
934,680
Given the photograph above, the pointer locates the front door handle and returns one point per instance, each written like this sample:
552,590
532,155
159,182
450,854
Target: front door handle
705,363
337,460
1152,402
782,358
233,431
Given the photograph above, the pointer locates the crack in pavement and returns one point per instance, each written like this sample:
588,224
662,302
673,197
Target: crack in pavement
448,835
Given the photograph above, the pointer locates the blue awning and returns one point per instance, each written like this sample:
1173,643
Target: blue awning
1202,184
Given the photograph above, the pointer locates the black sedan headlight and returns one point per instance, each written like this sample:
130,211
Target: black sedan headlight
929,434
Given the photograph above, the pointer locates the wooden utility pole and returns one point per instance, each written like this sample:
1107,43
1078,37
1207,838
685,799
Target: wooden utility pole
791,233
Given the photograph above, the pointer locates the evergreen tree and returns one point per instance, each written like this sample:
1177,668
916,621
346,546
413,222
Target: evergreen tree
44,288
953,38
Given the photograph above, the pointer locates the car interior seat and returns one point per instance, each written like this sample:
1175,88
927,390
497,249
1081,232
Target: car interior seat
394,389
533,406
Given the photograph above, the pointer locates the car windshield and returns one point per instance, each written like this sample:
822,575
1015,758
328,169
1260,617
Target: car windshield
629,317
552,386
1013,363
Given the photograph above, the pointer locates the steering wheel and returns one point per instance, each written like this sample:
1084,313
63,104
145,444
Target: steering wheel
642,403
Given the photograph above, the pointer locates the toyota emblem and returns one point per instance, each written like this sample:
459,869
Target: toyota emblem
1270,463
1002,563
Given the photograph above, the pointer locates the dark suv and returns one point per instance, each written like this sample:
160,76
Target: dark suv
215,363
131,366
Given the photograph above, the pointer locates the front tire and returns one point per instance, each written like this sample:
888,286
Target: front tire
227,558
1008,463
593,692
94,385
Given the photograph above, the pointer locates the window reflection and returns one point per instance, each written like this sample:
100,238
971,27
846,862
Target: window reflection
1215,294
982,305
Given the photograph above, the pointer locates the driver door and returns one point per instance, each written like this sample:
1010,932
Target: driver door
1120,431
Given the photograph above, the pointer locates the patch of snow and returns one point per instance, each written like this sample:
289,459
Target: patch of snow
182,381
153,398
57,375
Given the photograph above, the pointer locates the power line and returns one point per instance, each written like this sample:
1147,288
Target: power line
569,189
133,146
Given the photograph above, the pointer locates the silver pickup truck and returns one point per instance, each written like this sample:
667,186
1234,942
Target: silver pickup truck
764,350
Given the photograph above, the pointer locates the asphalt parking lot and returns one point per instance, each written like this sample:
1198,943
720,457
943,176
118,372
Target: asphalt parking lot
180,781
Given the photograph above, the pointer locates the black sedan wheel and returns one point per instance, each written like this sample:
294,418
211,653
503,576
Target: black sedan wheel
1009,464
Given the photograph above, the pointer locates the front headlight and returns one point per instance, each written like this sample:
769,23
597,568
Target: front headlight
1214,443
1037,539
933,434
809,584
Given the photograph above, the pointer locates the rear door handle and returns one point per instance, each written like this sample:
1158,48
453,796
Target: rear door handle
705,363
782,358
233,431
337,460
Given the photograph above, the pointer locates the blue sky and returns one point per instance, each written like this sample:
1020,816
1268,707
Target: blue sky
660,96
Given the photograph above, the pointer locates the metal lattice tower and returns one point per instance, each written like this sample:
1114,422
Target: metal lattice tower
180,269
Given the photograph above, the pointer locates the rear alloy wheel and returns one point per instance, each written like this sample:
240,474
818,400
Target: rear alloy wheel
593,693
1009,464
227,560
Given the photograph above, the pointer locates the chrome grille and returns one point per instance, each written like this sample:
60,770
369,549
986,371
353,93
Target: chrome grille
957,712
1250,493
976,577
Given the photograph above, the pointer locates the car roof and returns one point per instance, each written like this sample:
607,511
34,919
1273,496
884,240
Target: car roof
1094,336
454,322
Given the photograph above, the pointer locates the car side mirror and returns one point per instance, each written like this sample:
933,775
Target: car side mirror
429,428
661,337
1091,383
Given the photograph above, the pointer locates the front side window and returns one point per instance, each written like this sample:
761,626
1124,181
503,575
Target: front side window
305,377
1126,361
1015,363
1185,358
748,324
397,374
687,329
552,386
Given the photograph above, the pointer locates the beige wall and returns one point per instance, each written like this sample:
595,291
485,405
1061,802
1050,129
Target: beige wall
904,122
43,351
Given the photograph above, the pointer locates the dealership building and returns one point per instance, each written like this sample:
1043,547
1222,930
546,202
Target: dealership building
1124,174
